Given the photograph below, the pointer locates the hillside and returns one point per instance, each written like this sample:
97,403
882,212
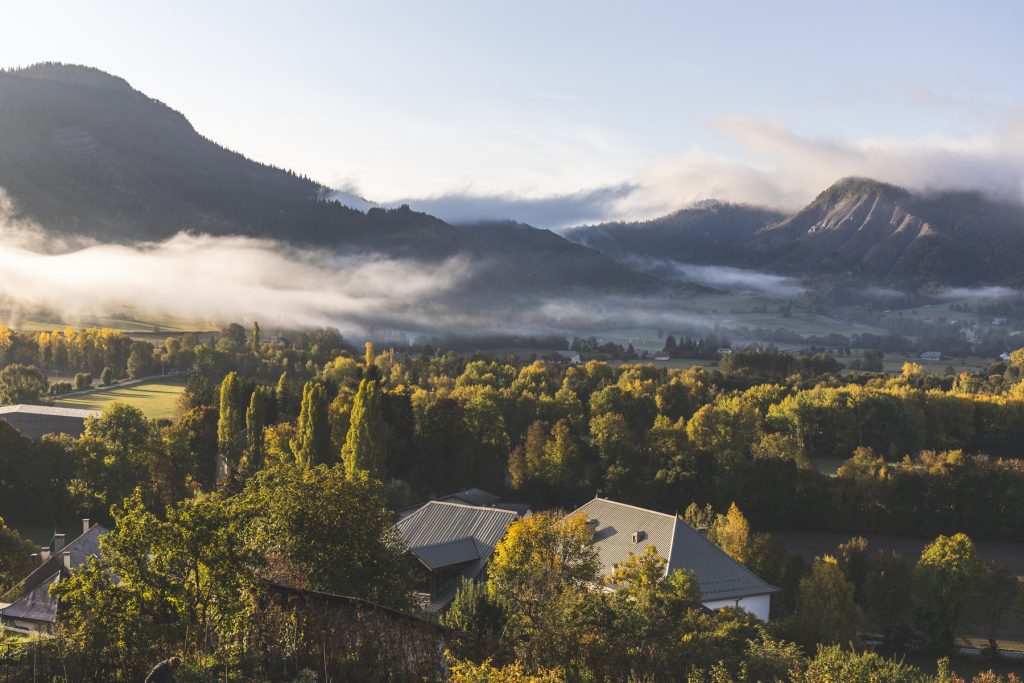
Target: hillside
873,231
84,154
708,232
858,229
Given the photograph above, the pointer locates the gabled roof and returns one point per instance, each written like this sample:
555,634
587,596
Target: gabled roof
80,549
36,421
447,554
439,532
720,577
36,605
472,496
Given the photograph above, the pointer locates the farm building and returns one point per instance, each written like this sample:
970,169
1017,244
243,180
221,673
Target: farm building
33,609
621,529
36,421
451,542
931,355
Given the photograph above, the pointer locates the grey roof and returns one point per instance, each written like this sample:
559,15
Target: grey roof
35,421
472,496
434,527
720,577
447,554
35,605
80,549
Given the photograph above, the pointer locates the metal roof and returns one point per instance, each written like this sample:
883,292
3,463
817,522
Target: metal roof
436,525
447,554
472,496
720,577
36,421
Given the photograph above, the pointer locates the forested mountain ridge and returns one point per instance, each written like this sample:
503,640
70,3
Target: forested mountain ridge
858,229
83,154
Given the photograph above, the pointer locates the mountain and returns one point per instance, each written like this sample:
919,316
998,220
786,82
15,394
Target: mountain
868,230
858,229
84,154
707,232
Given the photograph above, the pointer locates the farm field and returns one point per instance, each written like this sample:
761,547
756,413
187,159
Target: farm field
157,398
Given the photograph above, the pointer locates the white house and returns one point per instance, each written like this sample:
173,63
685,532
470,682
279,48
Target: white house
621,529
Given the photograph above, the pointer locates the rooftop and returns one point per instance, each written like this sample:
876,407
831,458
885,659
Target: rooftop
622,529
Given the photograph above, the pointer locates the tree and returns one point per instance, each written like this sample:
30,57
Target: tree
230,428
107,376
255,423
140,361
948,580
476,619
998,597
365,449
14,556
83,380
561,456
825,608
889,598
731,532
312,442
23,384
852,558
254,337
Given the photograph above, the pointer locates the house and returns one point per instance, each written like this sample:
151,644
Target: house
33,609
621,529
449,542
571,357
477,497
661,355
931,355
35,421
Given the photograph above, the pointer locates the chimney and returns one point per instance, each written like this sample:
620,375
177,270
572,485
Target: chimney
44,554
66,555
35,559
639,536
85,525
58,543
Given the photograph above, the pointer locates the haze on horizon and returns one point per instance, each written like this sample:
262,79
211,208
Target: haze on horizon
575,112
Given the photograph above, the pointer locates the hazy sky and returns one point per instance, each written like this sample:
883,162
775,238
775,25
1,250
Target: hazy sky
601,109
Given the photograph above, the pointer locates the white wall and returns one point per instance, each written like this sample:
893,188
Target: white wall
758,605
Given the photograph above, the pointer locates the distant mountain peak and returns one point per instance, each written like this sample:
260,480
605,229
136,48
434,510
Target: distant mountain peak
857,185
76,74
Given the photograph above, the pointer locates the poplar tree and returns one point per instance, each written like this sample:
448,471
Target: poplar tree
366,442
229,427
312,443
255,422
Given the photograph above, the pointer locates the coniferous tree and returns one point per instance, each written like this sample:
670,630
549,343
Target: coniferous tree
255,423
365,449
312,443
254,338
230,424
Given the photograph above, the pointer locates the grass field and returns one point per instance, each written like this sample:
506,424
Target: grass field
157,398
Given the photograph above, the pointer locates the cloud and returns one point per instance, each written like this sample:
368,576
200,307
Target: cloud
991,293
554,211
201,277
723,277
774,167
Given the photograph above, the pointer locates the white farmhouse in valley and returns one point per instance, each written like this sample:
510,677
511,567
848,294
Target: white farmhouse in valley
621,529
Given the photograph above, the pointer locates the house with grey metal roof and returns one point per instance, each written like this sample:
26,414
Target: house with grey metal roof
36,421
450,542
33,609
621,529
477,497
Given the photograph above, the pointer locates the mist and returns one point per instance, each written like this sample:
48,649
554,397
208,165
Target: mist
726,278
990,293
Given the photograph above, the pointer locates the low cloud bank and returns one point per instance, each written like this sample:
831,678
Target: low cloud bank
992,293
723,277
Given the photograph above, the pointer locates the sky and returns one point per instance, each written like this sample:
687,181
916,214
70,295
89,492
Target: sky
559,113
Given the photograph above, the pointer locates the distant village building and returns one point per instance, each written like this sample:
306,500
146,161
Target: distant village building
571,357
999,321
32,609
621,529
36,421
723,350
931,355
